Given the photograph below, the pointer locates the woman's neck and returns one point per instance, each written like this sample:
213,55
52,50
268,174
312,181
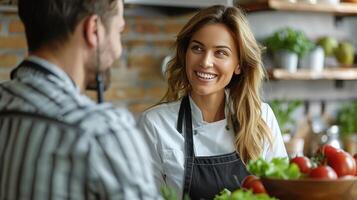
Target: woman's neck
212,106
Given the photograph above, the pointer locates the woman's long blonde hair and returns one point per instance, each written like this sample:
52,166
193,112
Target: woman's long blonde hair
251,130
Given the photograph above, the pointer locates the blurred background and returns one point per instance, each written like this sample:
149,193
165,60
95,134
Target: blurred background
309,56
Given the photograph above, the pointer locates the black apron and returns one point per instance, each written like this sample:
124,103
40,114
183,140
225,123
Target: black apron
206,176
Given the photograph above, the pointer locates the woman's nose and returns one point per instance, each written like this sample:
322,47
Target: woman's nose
207,60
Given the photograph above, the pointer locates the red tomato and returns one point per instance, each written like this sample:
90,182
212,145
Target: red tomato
328,150
323,172
355,158
246,181
343,163
303,163
256,186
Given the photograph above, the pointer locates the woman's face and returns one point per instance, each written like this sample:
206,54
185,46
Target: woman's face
211,59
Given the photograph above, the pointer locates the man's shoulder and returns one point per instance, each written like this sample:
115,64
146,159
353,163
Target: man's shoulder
101,118
64,105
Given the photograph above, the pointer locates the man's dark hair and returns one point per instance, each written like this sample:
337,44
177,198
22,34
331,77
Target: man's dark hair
52,21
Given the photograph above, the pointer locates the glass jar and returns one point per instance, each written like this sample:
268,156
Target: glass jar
332,137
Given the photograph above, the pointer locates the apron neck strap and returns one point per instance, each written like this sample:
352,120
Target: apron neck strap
185,118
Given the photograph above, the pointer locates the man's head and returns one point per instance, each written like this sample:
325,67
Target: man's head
52,21
93,26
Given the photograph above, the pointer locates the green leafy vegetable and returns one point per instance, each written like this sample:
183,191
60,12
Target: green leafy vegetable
169,193
241,194
223,195
279,168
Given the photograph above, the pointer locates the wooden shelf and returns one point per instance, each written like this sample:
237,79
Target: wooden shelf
8,8
284,5
327,74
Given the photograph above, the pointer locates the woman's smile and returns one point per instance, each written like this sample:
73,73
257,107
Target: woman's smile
205,76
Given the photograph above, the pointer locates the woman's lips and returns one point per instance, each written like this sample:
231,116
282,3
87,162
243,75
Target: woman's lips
205,75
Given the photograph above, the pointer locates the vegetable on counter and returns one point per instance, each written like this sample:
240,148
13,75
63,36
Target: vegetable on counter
329,174
340,161
328,163
303,163
278,168
169,193
242,194
324,172
253,183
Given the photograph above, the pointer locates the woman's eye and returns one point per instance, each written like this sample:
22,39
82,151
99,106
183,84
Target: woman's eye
196,48
221,53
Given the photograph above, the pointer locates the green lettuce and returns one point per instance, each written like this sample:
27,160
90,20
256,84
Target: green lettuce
241,194
278,168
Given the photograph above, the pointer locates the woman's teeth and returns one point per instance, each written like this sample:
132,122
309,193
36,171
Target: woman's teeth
205,75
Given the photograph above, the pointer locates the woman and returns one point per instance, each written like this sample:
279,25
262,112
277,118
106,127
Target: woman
211,120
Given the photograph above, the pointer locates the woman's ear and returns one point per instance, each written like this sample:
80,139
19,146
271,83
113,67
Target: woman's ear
90,30
237,70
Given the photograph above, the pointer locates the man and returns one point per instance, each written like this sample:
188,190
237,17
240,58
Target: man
55,143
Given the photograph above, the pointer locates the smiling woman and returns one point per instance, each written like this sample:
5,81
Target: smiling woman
211,61
211,120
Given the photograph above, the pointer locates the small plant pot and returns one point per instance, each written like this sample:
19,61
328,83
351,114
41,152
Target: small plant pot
286,60
314,60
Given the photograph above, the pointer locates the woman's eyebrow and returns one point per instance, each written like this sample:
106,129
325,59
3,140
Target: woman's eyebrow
198,42
218,46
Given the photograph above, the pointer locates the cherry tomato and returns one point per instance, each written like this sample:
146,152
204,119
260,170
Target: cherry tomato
303,163
355,158
328,150
246,181
256,186
343,163
323,172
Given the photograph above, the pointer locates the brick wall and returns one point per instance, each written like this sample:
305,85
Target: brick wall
136,77
12,43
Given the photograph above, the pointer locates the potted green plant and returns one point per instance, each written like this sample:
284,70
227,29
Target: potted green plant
347,120
283,112
313,60
287,45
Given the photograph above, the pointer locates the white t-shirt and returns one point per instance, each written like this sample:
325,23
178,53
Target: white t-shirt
166,144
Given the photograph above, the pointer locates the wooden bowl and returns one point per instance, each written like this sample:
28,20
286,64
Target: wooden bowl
312,189
350,1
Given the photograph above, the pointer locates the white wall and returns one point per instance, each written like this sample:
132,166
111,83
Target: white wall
314,25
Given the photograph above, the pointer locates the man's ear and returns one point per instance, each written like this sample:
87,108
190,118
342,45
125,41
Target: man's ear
237,70
90,30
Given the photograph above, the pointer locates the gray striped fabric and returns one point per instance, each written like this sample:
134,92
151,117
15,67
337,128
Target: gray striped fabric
58,144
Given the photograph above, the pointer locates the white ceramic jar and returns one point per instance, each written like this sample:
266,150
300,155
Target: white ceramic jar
314,60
